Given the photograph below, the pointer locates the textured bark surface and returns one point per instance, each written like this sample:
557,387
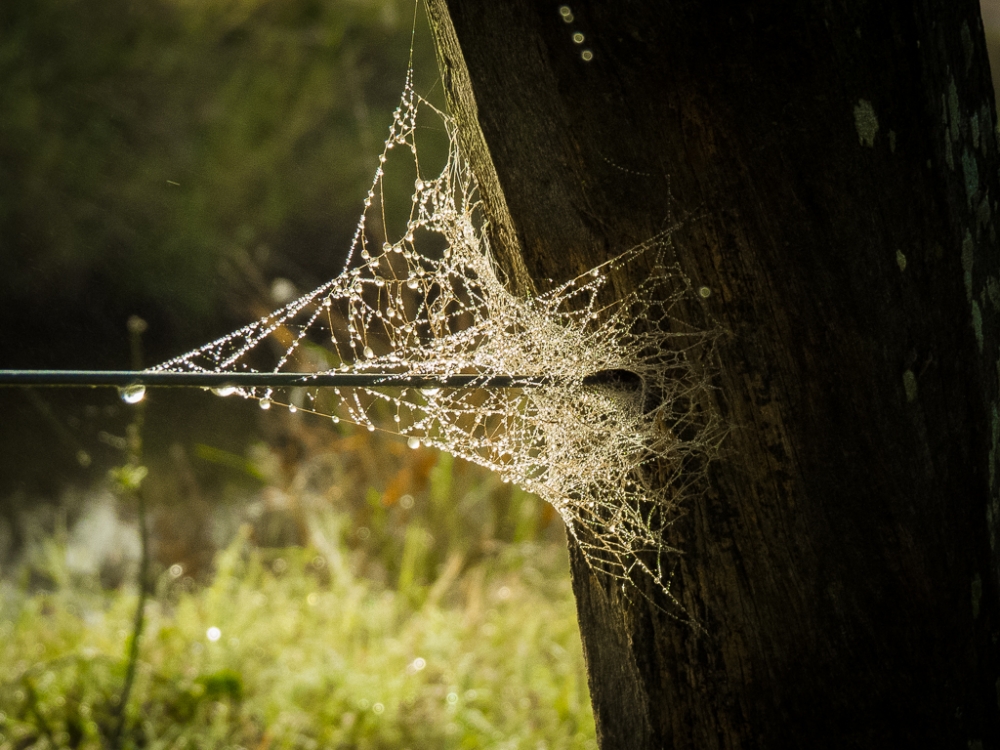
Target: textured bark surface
834,171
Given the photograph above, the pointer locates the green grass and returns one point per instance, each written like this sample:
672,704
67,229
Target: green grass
422,634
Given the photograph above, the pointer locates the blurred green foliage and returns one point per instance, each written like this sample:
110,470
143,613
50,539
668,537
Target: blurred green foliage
167,157
171,158
442,618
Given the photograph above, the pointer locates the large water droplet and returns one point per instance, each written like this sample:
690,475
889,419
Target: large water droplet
413,442
224,390
368,352
265,403
132,394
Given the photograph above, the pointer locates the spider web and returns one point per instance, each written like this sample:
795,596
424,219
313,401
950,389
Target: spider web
614,436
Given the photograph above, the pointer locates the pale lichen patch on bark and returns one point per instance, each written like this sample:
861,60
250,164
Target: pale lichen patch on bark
970,170
986,131
995,442
984,212
967,47
865,122
900,260
993,292
977,324
910,386
953,109
967,248
992,516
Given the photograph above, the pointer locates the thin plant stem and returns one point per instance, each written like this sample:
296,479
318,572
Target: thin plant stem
136,326
137,627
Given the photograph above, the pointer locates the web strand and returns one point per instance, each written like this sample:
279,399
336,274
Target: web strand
616,438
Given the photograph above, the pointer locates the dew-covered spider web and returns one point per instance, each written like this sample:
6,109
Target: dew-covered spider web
614,433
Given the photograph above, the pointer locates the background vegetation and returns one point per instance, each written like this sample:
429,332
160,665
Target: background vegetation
334,618
192,163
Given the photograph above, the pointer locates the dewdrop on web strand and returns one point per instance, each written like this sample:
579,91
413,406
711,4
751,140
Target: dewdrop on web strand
611,440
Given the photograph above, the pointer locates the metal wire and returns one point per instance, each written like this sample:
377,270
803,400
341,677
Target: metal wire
158,379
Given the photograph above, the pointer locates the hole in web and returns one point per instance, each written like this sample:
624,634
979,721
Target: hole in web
617,437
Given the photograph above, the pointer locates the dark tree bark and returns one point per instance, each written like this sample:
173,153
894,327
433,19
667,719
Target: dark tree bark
834,169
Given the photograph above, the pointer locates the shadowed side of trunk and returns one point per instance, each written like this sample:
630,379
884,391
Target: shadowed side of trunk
833,172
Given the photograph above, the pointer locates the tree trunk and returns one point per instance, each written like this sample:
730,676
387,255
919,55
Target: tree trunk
834,172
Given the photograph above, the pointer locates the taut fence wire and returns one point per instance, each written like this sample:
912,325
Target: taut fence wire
160,379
